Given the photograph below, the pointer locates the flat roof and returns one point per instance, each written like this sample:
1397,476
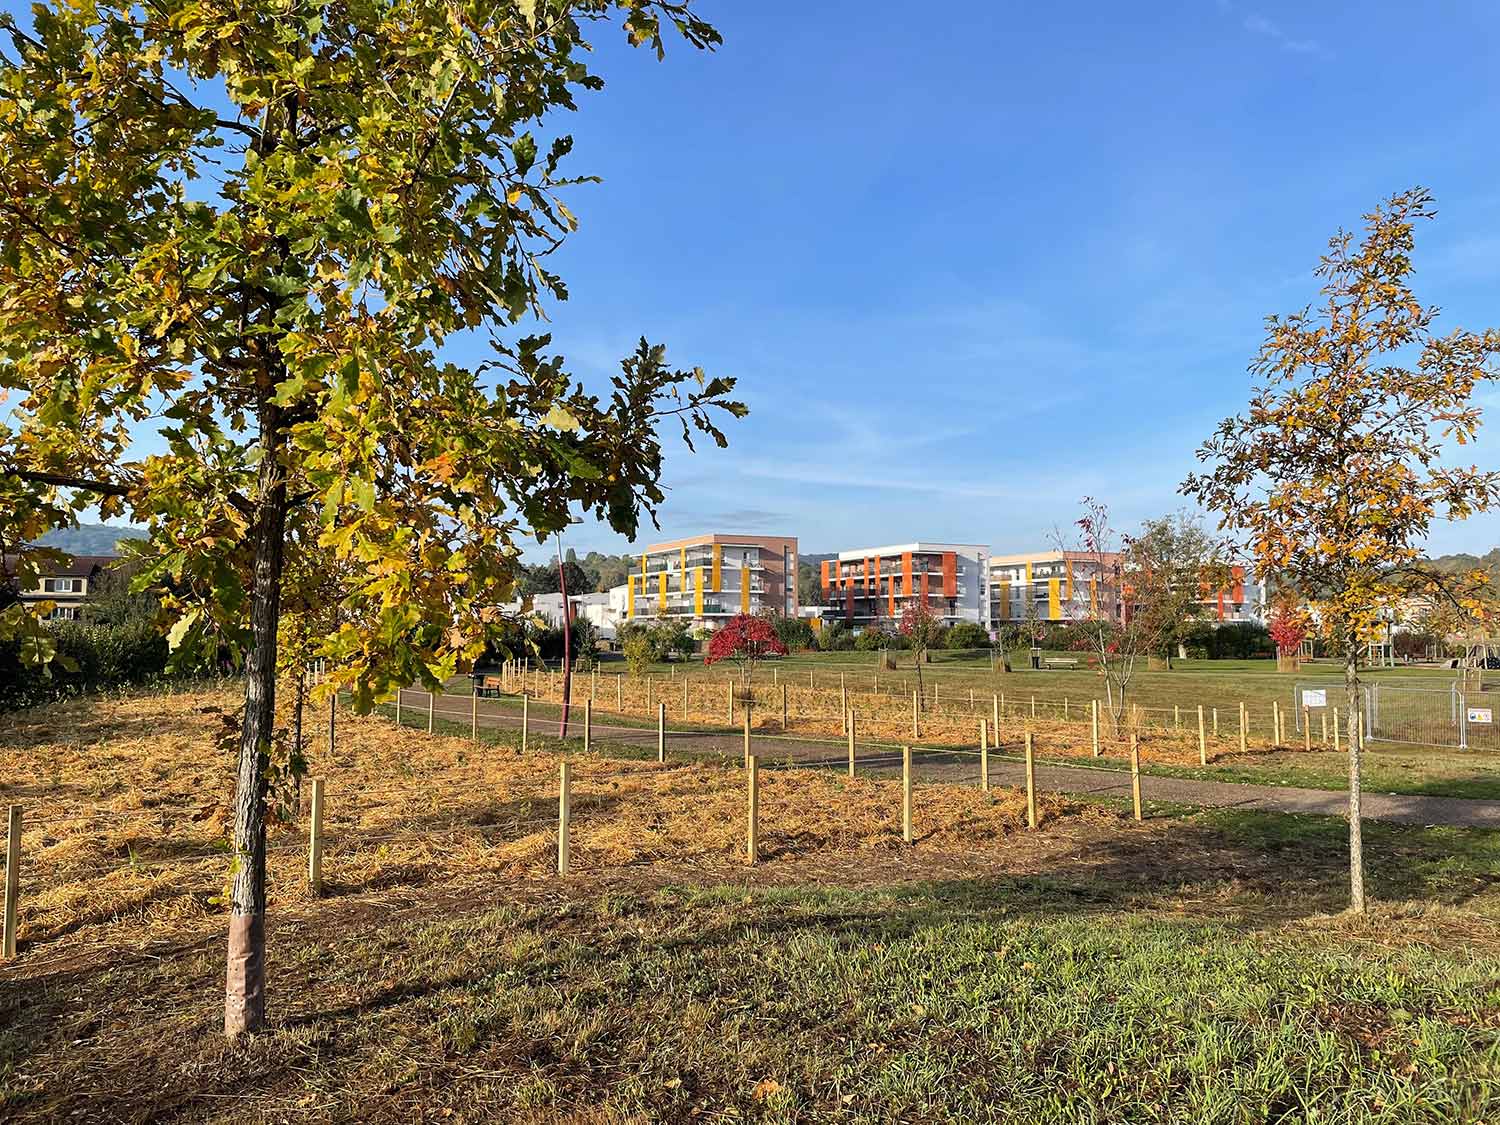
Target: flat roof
727,539
919,547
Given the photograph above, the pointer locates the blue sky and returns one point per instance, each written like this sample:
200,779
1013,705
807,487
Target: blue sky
971,269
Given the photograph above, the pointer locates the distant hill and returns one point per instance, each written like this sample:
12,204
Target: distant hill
1454,564
810,576
90,538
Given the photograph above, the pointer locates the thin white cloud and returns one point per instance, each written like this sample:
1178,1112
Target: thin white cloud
1257,24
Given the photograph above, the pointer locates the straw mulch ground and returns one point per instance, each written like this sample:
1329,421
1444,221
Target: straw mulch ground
1060,728
126,804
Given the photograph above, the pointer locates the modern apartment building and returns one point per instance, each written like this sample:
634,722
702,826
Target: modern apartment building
1067,586
1046,586
873,585
710,578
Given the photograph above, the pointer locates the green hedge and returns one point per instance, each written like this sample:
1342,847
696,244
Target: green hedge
106,656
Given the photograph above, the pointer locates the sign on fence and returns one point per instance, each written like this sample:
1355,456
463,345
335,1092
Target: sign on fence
1481,715
1314,697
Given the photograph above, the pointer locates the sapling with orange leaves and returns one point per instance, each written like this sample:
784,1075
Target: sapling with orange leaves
1338,469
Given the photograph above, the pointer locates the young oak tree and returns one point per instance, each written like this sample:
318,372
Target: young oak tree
1170,570
1335,473
250,226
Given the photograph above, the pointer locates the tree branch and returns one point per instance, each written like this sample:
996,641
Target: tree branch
104,488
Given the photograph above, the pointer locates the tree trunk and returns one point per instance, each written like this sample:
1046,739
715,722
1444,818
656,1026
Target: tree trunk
300,703
245,971
1356,844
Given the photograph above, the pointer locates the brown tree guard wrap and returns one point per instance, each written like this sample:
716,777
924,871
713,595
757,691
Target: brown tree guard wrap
245,975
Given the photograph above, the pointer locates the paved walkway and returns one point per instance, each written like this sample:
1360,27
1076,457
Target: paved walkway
963,766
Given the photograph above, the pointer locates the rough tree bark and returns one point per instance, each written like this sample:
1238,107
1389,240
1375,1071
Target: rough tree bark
245,969
1356,843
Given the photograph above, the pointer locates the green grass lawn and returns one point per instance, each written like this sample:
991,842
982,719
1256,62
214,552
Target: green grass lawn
1189,975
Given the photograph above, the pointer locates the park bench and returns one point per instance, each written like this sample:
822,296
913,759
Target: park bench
1060,662
487,685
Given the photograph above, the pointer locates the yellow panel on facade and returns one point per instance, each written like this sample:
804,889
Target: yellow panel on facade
1054,599
684,570
744,589
643,574
1028,572
1068,574
1005,601
661,591
698,591
1093,595
630,595
717,576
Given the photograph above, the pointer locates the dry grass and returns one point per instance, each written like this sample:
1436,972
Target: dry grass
1061,726
126,812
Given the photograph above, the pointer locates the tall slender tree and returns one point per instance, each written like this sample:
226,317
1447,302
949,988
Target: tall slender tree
1335,473
250,226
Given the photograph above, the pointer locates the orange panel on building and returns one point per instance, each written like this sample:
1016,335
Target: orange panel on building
906,572
950,574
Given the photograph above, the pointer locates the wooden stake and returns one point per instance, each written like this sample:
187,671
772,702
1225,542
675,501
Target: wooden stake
398,707
851,744
843,698
1337,722
525,718
588,725
431,698
315,839
1030,783
1202,739
564,815
906,793
661,732
12,882
1243,734
1323,727
747,736
1094,724
1275,724
729,686
1216,722
684,698
332,717
1306,729
1033,706
752,832
783,707
619,693
474,714
915,730
1135,774
995,704
984,757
